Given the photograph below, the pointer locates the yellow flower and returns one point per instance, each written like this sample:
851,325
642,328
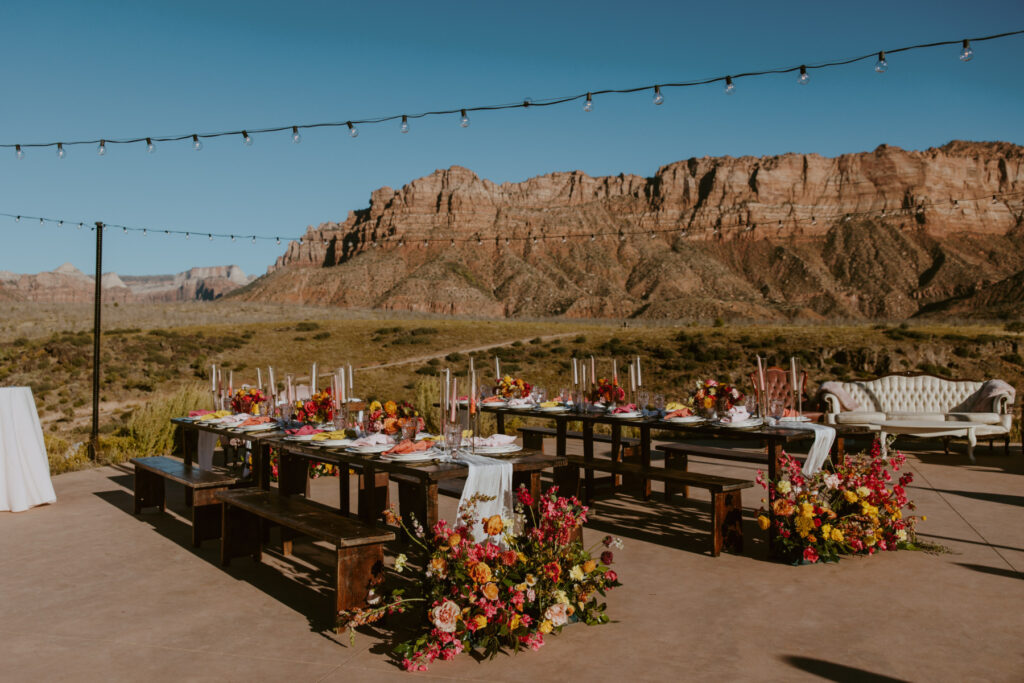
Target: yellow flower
589,566
545,626
576,573
520,587
806,510
837,535
804,525
513,624
375,406
480,572
924,518
391,408
763,522
522,557
850,496
481,620
490,591
812,539
531,580
784,487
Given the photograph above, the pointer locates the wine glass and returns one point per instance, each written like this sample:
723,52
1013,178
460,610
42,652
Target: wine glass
452,437
659,402
643,398
776,406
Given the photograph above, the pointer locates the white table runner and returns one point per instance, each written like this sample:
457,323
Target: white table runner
824,437
24,468
490,477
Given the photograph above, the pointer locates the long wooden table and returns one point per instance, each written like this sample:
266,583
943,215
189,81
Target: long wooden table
417,483
260,447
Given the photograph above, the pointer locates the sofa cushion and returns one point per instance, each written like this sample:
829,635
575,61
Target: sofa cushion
858,417
980,418
915,415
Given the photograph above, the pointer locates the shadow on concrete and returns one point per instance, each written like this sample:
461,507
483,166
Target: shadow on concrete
303,582
995,571
1003,498
967,540
831,671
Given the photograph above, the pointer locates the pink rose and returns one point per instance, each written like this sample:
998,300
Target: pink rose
611,576
557,614
810,554
445,615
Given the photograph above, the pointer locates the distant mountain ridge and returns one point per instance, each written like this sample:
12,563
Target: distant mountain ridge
887,234
67,284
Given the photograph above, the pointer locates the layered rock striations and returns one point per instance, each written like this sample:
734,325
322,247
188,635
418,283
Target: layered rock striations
882,234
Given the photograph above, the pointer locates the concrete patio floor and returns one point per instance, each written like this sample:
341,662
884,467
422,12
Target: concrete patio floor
90,592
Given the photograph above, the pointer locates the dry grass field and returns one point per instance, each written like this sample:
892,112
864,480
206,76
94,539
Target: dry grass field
153,351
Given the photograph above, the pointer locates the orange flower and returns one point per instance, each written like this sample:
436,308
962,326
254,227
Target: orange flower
589,566
480,572
493,525
391,408
490,591
481,621
438,566
782,507
454,540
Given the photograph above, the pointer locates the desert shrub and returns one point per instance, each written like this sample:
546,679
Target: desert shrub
933,369
64,457
1015,326
322,335
536,340
719,322
1013,358
454,357
307,326
581,339
425,370
419,331
380,331
427,392
150,430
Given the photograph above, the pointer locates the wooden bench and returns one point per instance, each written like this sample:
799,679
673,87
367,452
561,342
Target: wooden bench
677,457
533,437
200,489
359,546
726,496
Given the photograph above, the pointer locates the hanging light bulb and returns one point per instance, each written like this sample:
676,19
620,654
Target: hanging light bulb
881,65
352,130
589,104
187,235
18,153
966,53
592,238
79,226
210,235
563,239
232,238
622,237
102,148
246,139
124,229
17,219
729,87
150,147
405,124
279,240
60,223
254,239
425,243
507,241
535,239
464,121
41,221
196,144
803,78
479,240
814,221
145,232
658,97
60,150
401,241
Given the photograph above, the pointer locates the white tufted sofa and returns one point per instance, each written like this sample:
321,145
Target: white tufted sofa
918,397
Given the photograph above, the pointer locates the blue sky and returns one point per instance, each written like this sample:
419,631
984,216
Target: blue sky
77,70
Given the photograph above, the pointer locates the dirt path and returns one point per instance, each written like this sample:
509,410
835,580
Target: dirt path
442,354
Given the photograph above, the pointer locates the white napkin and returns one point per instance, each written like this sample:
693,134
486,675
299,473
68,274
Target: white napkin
824,437
494,440
371,440
737,414
204,450
520,402
490,477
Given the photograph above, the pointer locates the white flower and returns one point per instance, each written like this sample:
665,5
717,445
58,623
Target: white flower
617,543
557,614
784,487
576,573
832,481
445,615
560,597
863,491
400,562
901,534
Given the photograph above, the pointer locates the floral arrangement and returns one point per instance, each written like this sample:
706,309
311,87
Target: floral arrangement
318,409
247,401
855,510
608,391
507,591
392,418
710,392
509,387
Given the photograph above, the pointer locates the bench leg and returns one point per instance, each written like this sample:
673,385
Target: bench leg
681,462
149,490
358,570
533,441
726,522
206,512
241,534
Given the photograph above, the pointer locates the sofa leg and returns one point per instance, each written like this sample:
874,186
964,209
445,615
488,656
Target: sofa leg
945,444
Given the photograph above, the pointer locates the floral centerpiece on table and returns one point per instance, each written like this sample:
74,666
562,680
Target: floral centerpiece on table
317,409
607,391
247,400
391,418
506,591
512,387
711,394
857,509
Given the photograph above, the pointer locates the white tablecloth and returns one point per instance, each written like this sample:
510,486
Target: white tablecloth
24,469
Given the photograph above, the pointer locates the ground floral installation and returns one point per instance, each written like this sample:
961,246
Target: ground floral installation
505,592
857,509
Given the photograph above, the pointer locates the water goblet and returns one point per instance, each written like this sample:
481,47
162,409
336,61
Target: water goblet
452,438
643,398
776,408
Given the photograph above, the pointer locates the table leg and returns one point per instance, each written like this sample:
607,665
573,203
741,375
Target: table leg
344,495
560,427
262,468
616,453
645,459
588,461
374,495
186,442
499,418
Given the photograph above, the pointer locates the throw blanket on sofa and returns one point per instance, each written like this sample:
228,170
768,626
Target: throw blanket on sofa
836,389
981,400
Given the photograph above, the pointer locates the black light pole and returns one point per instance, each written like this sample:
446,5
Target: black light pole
97,300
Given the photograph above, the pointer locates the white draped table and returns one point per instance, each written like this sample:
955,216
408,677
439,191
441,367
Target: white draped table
24,468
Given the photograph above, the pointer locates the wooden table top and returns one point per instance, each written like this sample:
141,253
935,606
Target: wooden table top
526,460
228,431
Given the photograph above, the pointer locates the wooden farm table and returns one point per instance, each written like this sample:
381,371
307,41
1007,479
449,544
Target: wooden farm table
260,445
417,483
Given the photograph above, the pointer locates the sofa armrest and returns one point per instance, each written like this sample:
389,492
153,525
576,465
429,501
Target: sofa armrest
831,407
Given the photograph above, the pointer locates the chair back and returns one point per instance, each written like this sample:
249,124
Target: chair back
777,381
